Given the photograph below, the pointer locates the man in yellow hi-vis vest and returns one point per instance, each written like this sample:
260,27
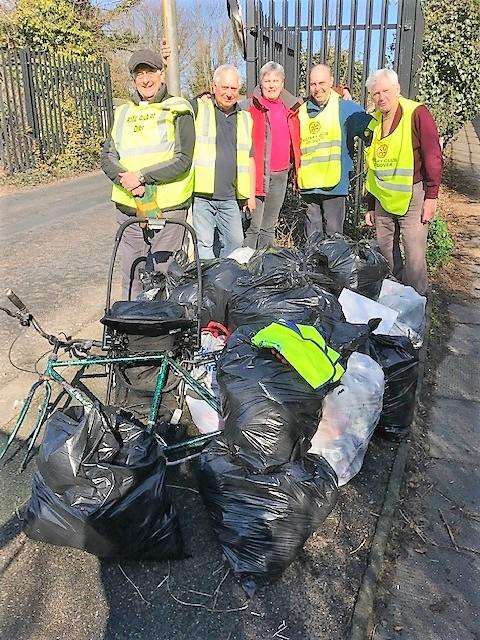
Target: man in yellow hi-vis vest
404,169
224,165
328,127
150,148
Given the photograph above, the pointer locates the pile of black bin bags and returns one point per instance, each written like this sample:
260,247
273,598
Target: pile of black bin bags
100,484
100,487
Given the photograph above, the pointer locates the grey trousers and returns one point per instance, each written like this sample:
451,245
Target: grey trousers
412,233
163,246
325,214
261,232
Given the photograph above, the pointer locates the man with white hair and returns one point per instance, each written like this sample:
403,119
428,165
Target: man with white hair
328,128
404,169
223,164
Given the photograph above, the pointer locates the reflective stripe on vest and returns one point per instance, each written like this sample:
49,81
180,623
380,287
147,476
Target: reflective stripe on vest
390,163
205,150
305,349
144,135
320,146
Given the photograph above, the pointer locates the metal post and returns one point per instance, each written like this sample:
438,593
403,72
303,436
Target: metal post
170,31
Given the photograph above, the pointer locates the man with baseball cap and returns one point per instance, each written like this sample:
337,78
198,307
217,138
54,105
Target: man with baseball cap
150,149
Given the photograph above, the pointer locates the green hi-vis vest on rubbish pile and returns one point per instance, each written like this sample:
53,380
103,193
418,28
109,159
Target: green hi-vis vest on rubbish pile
305,349
144,135
390,161
320,146
204,157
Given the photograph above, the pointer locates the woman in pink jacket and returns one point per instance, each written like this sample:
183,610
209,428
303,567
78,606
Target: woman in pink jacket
276,143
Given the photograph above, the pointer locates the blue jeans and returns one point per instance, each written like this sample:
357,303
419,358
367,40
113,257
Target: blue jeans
223,215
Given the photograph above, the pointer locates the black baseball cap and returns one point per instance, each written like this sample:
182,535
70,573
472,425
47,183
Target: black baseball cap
145,56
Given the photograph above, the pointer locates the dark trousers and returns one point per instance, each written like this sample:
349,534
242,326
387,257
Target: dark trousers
412,233
325,214
163,246
261,232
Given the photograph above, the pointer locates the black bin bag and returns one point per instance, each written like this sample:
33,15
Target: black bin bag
218,280
262,520
270,412
283,294
100,487
399,361
353,265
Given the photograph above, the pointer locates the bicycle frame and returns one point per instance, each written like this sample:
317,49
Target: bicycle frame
52,374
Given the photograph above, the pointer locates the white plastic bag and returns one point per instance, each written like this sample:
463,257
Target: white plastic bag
203,415
359,310
242,255
350,414
411,310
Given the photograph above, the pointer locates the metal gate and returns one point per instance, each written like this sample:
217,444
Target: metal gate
33,87
353,36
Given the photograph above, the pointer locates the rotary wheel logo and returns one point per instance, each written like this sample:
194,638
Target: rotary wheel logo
314,128
381,151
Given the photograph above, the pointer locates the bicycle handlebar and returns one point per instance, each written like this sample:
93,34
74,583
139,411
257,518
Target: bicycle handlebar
26,318
15,300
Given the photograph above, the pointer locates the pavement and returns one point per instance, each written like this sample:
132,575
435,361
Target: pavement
433,593
464,154
55,244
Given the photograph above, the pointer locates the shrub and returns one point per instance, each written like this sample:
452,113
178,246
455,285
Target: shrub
440,244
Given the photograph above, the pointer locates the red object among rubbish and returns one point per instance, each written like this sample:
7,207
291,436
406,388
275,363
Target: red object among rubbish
217,329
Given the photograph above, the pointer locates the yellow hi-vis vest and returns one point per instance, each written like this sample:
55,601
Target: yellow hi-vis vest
204,157
304,347
144,135
320,146
390,161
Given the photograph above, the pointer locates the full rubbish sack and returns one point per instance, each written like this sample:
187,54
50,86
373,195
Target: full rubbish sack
350,414
218,279
270,411
100,487
262,520
275,260
410,306
281,295
354,265
399,361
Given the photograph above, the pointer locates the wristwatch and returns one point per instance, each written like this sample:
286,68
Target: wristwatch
141,177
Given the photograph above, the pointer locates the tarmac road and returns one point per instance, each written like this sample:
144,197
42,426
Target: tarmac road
55,244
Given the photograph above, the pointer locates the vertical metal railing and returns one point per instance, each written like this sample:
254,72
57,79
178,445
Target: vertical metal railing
34,86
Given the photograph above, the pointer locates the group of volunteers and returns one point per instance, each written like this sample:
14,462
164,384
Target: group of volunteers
233,158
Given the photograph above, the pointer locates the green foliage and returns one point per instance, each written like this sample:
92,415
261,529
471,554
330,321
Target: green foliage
440,244
62,26
450,74
81,152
